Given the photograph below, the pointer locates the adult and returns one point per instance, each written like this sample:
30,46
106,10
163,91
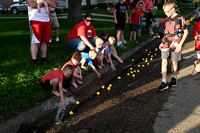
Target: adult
40,29
139,27
55,24
128,3
82,37
148,4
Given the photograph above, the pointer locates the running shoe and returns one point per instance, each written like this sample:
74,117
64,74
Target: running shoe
163,86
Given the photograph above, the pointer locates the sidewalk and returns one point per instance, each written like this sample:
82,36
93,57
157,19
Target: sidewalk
181,113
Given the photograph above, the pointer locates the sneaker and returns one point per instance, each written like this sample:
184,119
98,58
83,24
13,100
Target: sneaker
173,81
163,86
124,42
122,46
35,62
44,61
194,72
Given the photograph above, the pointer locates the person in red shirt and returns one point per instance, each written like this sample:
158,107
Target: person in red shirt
128,3
82,37
54,80
135,20
196,35
77,75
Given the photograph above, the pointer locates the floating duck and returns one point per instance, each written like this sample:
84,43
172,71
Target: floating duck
77,102
71,112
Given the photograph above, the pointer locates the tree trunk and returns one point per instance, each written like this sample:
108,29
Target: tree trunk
74,12
88,4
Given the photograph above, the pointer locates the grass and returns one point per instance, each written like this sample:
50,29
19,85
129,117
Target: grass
19,79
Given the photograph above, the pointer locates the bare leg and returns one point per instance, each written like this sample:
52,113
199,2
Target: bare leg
83,64
46,7
34,50
54,83
174,67
131,35
119,36
164,68
134,35
73,82
57,32
43,48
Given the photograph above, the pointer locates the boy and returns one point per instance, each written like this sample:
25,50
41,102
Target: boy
174,27
196,35
100,52
113,52
88,57
135,21
77,75
121,18
54,80
150,21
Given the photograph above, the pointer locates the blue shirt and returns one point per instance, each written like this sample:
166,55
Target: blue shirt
87,57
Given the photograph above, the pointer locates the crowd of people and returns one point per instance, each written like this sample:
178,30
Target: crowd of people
91,50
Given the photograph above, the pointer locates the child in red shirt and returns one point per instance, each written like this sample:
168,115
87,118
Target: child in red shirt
77,75
196,35
54,80
135,20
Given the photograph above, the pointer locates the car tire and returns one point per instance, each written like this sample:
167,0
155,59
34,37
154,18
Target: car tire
14,11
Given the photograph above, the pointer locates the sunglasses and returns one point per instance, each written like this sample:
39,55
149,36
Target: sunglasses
88,20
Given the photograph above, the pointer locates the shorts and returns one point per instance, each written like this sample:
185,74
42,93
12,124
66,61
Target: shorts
197,55
95,61
148,27
120,25
40,31
46,85
173,55
54,20
139,27
133,27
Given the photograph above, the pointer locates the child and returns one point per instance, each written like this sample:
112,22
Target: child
40,2
104,36
121,18
160,28
174,27
77,75
88,57
135,21
54,80
100,52
196,35
113,52
150,21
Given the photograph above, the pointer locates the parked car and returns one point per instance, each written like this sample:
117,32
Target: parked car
22,6
3,9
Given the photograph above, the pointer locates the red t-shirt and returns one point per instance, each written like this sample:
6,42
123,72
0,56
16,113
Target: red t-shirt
69,63
136,16
81,29
54,74
196,32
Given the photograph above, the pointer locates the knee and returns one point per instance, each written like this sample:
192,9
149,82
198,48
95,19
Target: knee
54,81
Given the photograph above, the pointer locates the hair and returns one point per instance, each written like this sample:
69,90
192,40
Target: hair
99,41
77,56
88,15
170,3
104,33
92,51
69,68
111,38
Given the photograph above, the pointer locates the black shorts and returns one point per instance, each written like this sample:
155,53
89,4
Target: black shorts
120,25
46,85
133,27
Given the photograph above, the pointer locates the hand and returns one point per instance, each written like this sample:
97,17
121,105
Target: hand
126,21
99,75
178,48
115,21
160,46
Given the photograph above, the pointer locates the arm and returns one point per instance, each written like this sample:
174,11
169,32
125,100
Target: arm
85,40
126,17
61,93
31,4
179,47
98,74
95,37
115,10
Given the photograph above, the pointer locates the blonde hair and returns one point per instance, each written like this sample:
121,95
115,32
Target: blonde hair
92,51
170,4
99,41
111,38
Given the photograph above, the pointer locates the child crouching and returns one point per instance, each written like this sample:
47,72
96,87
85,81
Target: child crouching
77,75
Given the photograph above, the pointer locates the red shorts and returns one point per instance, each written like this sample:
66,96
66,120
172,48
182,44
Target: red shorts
95,61
40,31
